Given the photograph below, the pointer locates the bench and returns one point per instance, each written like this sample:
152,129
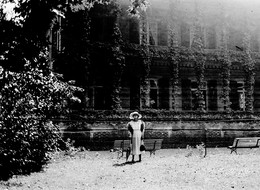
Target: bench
122,146
151,145
244,142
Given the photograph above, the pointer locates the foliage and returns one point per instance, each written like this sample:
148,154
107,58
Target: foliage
30,93
136,5
224,59
31,32
116,63
146,60
163,115
249,69
198,58
28,100
174,55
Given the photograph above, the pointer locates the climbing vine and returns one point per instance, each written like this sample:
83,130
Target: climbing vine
174,55
198,58
117,63
146,61
249,69
224,59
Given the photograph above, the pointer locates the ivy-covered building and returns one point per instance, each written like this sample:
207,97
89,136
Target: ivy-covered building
177,55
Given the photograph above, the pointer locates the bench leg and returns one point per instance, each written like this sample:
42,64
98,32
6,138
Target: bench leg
127,154
233,150
120,153
152,152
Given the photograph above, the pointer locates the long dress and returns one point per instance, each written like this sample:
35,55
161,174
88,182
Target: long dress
136,128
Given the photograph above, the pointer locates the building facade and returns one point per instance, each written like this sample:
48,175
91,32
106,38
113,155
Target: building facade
150,79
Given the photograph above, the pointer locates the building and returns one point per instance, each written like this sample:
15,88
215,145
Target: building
231,27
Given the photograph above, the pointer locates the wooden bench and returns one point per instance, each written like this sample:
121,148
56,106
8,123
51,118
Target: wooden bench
244,142
122,146
151,145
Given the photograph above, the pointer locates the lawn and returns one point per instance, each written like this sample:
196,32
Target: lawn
168,169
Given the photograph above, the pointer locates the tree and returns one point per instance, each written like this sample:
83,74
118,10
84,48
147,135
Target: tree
29,100
31,94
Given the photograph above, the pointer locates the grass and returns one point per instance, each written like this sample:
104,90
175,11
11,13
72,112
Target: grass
168,169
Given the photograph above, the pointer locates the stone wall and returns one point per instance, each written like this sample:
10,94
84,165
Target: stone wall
101,135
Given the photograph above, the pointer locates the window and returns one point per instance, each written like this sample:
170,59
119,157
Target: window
162,34
99,98
129,28
235,40
194,98
124,25
186,94
185,35
164,93
237,95
189,96
257,96
241,92
211,37
134,31
152,32
134,94
102,28
154,93
212,95
255,42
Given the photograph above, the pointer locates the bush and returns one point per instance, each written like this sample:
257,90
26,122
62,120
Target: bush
28,101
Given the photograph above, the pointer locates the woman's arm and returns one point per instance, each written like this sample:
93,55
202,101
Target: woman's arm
142,129
130,129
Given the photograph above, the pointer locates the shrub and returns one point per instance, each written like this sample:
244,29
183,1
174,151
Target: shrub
28,100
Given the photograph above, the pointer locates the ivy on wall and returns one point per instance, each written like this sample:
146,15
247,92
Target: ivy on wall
161,52
249,69
224,59
146,61
198,58
174,55
164,115
117,63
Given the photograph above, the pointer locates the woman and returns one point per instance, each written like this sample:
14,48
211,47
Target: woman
136,128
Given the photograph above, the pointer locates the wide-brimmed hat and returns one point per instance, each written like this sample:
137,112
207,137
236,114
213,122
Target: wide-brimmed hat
135,113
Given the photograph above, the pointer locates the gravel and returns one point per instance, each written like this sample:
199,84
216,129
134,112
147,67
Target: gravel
167,169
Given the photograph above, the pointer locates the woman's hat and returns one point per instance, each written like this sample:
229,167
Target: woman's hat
135,113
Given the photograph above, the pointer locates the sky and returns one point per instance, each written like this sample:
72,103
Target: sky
8,8
251,5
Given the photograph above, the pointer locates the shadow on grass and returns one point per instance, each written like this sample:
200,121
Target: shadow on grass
11,184
125,163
